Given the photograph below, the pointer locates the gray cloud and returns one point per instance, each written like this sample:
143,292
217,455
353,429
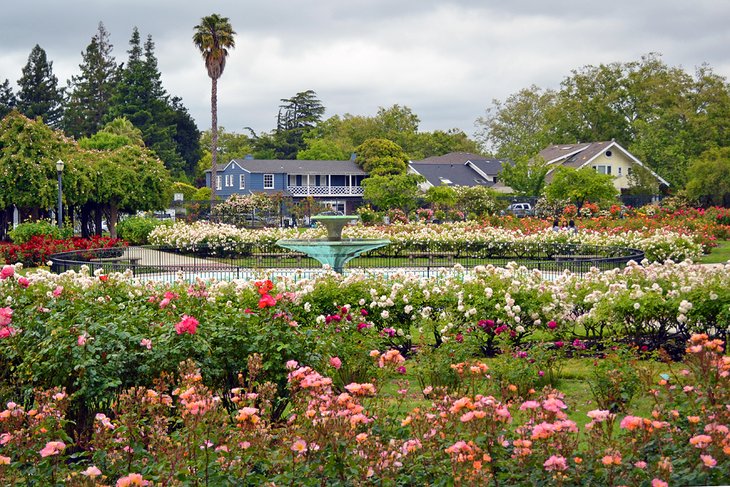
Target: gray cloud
445,60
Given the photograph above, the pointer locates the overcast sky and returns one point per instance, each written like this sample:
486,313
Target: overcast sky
444,60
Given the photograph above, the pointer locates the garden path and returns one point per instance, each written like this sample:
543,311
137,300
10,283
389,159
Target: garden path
152,257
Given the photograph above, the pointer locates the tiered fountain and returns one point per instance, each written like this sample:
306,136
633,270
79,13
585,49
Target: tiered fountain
334,251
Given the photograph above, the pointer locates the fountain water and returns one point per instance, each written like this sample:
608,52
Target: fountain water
334,251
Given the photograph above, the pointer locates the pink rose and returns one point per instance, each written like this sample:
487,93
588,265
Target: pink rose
53,448
7,271
91,472
187,324
6,316
335,362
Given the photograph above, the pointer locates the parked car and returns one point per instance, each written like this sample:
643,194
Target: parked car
520,209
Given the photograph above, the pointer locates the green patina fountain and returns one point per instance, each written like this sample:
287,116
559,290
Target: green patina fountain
334,251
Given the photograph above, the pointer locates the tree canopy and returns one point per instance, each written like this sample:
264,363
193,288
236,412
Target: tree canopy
393,191
121,177
709,183
381,157
580,186
663,115
525,176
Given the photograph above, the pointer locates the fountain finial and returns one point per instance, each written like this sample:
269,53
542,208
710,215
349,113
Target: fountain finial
334,224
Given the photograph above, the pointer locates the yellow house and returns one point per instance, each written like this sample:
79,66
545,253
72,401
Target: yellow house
604,157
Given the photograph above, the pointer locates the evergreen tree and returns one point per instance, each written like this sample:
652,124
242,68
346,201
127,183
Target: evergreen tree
187,135
141,98
8,101
297,116
39,95
89,94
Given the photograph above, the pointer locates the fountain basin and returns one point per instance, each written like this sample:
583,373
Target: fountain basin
335,253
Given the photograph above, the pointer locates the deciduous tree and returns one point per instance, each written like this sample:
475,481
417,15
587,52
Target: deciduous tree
525,176
580,185
393,191
381,157
709,177
519,127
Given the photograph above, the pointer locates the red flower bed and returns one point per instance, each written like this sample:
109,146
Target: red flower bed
38,249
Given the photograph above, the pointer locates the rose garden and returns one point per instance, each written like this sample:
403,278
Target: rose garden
471,376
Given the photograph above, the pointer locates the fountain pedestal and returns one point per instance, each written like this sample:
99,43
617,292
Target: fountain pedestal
334,251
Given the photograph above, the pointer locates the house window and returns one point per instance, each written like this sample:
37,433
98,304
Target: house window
219,182
268,181
292,180
602,169
241,181
229,180
620,170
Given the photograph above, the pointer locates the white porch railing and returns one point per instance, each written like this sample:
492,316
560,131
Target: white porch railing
325,190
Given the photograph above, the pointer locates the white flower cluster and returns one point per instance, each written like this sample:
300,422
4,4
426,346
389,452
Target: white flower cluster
659,245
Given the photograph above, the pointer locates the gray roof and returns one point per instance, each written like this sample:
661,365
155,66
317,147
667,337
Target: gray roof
458,174
577,155
297,166
573,155
451,158
490,167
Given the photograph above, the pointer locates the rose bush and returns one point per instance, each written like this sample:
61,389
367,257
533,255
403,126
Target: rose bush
659,243
355,436
95,334
39,248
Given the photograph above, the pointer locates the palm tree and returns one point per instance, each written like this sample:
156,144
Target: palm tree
214,36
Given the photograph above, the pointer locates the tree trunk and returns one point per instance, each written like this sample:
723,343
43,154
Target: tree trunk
85,219
98,213
214,139
112,223
6,221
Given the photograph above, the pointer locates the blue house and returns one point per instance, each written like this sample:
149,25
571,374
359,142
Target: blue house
335,184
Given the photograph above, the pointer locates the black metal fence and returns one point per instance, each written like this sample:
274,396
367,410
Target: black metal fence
244,261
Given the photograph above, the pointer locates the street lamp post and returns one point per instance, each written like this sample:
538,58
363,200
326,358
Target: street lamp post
59,170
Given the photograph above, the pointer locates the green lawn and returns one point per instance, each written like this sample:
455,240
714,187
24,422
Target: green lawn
719,254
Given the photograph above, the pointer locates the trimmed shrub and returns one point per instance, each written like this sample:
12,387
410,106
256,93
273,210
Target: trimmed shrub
136,230
25,231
